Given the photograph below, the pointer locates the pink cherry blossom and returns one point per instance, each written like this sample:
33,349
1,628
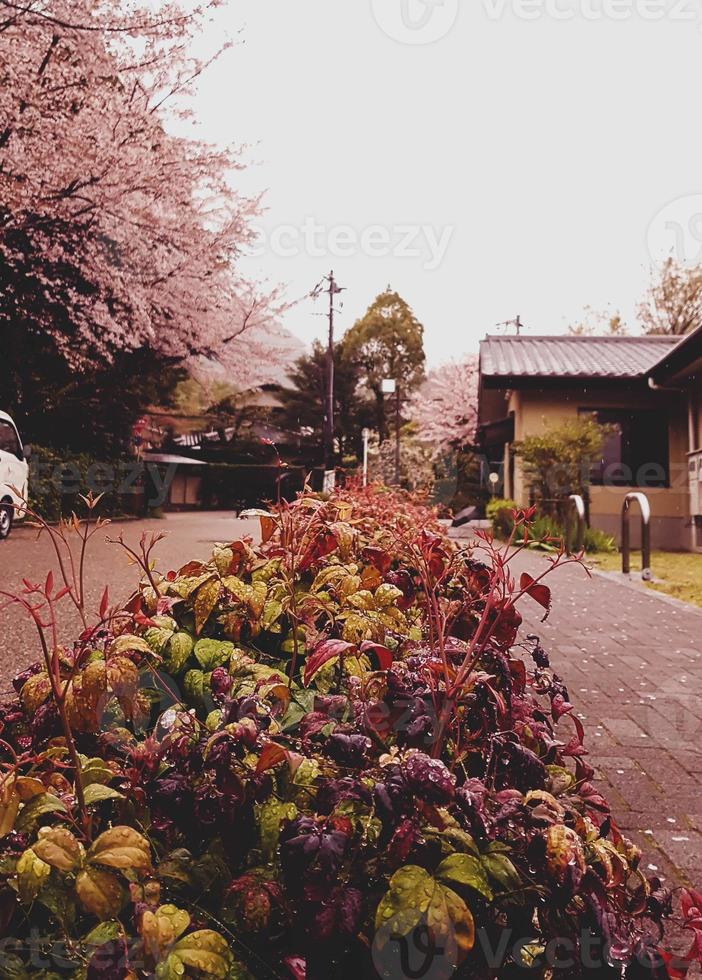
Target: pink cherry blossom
115,233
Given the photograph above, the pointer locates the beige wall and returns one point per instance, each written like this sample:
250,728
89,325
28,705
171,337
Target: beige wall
537,410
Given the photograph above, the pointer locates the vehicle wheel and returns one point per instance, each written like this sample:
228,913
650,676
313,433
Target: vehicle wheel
6,515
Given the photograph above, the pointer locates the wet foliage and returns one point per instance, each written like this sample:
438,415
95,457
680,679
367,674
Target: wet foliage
332,755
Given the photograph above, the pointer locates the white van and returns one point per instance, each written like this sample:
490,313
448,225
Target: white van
14,474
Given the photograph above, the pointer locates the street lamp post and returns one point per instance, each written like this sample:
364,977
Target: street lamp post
366,437
392,387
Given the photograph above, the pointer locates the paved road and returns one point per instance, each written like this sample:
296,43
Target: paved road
632,661
188,535
633,664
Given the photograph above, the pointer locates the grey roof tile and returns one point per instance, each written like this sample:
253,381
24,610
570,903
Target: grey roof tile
568,356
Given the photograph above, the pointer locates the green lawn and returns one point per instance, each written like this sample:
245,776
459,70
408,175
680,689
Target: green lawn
677,573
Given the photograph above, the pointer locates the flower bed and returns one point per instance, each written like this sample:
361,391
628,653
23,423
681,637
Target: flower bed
325,757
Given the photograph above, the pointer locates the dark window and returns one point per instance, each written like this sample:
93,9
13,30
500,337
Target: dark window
8,439
636,453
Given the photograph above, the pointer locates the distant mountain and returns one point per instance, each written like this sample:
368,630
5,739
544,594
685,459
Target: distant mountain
285,349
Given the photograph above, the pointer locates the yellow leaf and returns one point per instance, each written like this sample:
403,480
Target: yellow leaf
205,600
161,928
8,814
126,642
35,692
32,872
100,893
58,847
123,848
28,787
207,951
240,590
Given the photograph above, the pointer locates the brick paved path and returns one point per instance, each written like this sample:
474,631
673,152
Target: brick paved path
633,665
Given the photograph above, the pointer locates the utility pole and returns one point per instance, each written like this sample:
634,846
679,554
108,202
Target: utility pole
332,289
517,323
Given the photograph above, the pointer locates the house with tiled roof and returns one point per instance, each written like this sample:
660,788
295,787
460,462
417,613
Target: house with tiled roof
645,388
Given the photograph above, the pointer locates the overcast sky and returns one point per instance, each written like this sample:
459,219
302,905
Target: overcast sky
510,156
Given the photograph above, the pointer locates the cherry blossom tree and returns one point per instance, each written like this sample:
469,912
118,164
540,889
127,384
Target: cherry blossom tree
445,408
115,234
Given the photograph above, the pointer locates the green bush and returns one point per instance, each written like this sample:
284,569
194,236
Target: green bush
499,511
597,541
560,460
545,527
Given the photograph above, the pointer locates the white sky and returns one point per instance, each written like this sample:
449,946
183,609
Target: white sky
552,148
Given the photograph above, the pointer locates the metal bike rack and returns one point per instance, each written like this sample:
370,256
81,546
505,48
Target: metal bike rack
577,504
644,506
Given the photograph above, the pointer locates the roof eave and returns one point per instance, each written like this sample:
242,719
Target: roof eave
527,380
680,360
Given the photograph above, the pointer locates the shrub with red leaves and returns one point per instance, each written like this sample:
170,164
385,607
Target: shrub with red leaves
323,758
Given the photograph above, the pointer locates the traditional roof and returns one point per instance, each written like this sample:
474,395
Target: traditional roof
571,356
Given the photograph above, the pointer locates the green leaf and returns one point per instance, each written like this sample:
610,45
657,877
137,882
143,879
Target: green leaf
306,773
194,687
55,897
272,611
38,807
213,653
501,870
213,720
459,840
97,792
105,932
178,866
178,651
95,771
464,869
416,900
270,816
158,638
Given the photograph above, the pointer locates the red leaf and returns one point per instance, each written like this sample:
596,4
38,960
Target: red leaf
143,620
270,757
322,545
539,593
378,559
560,707
691,905
49,586
383,655
676,968
322,654
104,602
